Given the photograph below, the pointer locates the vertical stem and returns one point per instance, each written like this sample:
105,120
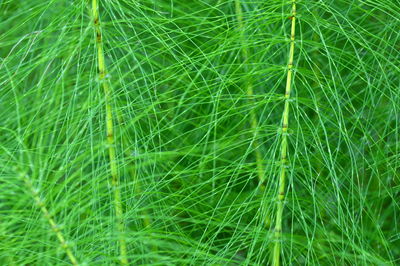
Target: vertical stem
250,94
284,144
54,227
110,133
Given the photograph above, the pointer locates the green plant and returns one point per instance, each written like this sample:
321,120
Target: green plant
250,93
194,94
284,141
115,179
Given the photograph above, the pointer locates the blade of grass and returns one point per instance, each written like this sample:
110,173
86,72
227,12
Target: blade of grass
284,144
110,133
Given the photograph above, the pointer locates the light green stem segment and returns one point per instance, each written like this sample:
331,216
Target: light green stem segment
284,145
110,133
54,227
250,94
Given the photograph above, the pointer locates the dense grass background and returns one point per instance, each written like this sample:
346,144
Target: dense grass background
185,146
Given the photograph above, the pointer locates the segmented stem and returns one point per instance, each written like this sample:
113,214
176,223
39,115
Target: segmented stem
250,94
54,227
284,144
110,132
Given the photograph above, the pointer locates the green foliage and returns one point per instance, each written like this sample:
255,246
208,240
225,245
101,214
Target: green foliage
184,141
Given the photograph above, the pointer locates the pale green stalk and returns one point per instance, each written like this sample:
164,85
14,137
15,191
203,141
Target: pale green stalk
250,94
110,133
54,227
284,144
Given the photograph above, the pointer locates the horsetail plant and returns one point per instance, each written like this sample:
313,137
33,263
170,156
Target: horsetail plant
146,221
284,143
227,144
115,180
53,225
250,94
